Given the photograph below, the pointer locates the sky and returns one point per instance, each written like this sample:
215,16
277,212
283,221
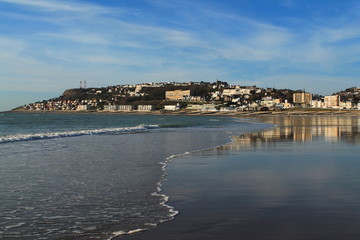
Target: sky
48,46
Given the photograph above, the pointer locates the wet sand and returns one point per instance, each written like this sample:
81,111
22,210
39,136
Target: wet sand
298,180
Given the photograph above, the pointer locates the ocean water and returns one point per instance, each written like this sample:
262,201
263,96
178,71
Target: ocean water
90,176
297,181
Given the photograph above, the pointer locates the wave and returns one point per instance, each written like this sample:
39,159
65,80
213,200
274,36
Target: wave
75,133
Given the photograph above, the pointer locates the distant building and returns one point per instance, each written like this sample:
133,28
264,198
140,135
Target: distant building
126,107
227,109
171,107
302,98
178,95
110,107
317,104
236,91
231,92
287,104
194,106
204,107
138,88
332,101
83,107
146,107
347,105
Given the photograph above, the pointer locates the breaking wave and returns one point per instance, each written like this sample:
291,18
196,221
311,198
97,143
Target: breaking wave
75,133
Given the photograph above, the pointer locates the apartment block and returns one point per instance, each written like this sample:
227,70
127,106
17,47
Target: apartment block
302,98
332,101
177,94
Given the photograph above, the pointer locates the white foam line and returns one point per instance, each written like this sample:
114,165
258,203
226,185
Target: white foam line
164,164
49,135
14,226
121,233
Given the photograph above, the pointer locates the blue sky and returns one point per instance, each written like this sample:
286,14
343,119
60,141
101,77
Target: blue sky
47,46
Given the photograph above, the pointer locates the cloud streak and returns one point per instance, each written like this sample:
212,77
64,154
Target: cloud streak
59,6
78,36
69,41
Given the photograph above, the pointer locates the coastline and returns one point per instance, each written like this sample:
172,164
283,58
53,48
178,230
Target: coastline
117,173
295,112
192,224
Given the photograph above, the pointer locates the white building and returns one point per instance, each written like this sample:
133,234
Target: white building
317,104
145,107
126,107
332,101
267,103
110,107
83,107
203,107
227,109
346,105
231,92
209,107
171,107
194,107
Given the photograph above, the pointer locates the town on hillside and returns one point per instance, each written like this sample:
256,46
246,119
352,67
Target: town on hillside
195,96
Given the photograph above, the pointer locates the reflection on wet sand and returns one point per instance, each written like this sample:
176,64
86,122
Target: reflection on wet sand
300,129
297,181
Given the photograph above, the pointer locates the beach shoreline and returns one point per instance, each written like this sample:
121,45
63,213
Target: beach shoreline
199,218
192,223
295,112
118,172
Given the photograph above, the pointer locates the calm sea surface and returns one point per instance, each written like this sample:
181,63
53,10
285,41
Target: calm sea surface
87,176
299,180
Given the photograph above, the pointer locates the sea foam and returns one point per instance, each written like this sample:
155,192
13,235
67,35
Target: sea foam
75,133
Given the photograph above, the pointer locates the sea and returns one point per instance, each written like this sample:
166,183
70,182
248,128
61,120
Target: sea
96,176
298,180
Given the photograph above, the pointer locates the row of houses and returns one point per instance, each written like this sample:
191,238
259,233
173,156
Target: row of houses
332,101
52,105
68,105
266,103
128,107
199,96
226,94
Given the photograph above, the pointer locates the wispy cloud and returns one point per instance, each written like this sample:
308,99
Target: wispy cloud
10,47
68,6
177,40
336,35
79,37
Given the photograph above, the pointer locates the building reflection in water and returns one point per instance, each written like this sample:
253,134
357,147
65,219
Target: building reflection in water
299,129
